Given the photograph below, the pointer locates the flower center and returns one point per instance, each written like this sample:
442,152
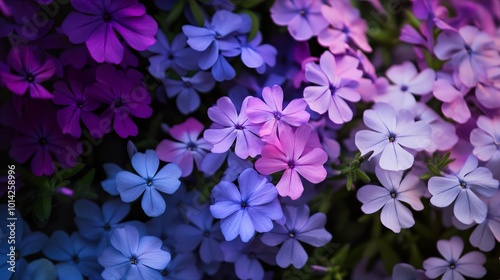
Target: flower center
118,103
217,36
206,233
244,204
106,17
463,185
75,259
188,84
134,260
170,56
291,164
80,105
393,194
251,255
107,227
345,30
42,141
452,266
391,138
303,12
30,78
277,115
191,146
404,88
468,49
238,127
292,234
149,182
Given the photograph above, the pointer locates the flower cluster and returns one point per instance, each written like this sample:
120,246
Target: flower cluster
225,139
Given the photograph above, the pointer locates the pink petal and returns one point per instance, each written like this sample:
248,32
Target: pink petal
290,185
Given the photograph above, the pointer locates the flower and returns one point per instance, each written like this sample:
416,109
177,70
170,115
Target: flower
298,227
247,257
231,126
453,266
464,187
255,55
187,90
182,266
302,17
487,234
293,154
403,271
176,56
74,254
470,51
346,27
188,149
486,138
395,189
391,131
454,106
125,95
79,106
96,23
133,257
131,186
251,208
109,185
30,72
337,80
271,113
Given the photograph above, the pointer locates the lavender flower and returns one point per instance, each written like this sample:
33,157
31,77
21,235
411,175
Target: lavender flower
187,90
464,187
251,208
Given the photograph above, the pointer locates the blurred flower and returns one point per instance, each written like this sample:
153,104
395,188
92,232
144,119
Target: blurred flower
403,271
486,138
454,106
187,90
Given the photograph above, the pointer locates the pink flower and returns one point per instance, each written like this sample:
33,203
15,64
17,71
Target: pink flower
337,80
454,105
271,114
293,154
230,126
188,149
391,132
303,17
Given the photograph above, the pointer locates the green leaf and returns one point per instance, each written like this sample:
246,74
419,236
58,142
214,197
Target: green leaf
349,182
362,176
174,14
434,170
339,258
255,24
43,207
197,11
412,20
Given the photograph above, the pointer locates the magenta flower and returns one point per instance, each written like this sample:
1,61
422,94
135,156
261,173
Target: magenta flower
40,137
337,80
391,132
303,17
96,23
463,188
395,189
230,126
470,51
454,105
78,106
486,138
271,114
125,95
346,28
452,265
188,148
30,72
293,154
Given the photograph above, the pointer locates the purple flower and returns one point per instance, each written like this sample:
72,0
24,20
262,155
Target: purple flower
187,90
176,56
486,138
395,189
40,137
296,153
391,131
403,271
79,106
488,92
230,126
183,266
76,256
464,187
202,233
30,72
131,186
337,80
303,17
271,114
487,234
251,208
454,106
298,227
125,95
133,257
188,149
346,28
97,22
453,266
247,256
470,51
255,55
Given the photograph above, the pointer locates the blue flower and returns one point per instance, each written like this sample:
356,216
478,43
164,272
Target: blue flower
247,256
255,55
109,185
132,256
251,208
298,227
182,267
187,90
40,269
75,255
131,186
95,223
201,232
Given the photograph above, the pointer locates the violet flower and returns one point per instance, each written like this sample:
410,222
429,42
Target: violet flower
97,23
464,187
337,80
486,138
452,266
